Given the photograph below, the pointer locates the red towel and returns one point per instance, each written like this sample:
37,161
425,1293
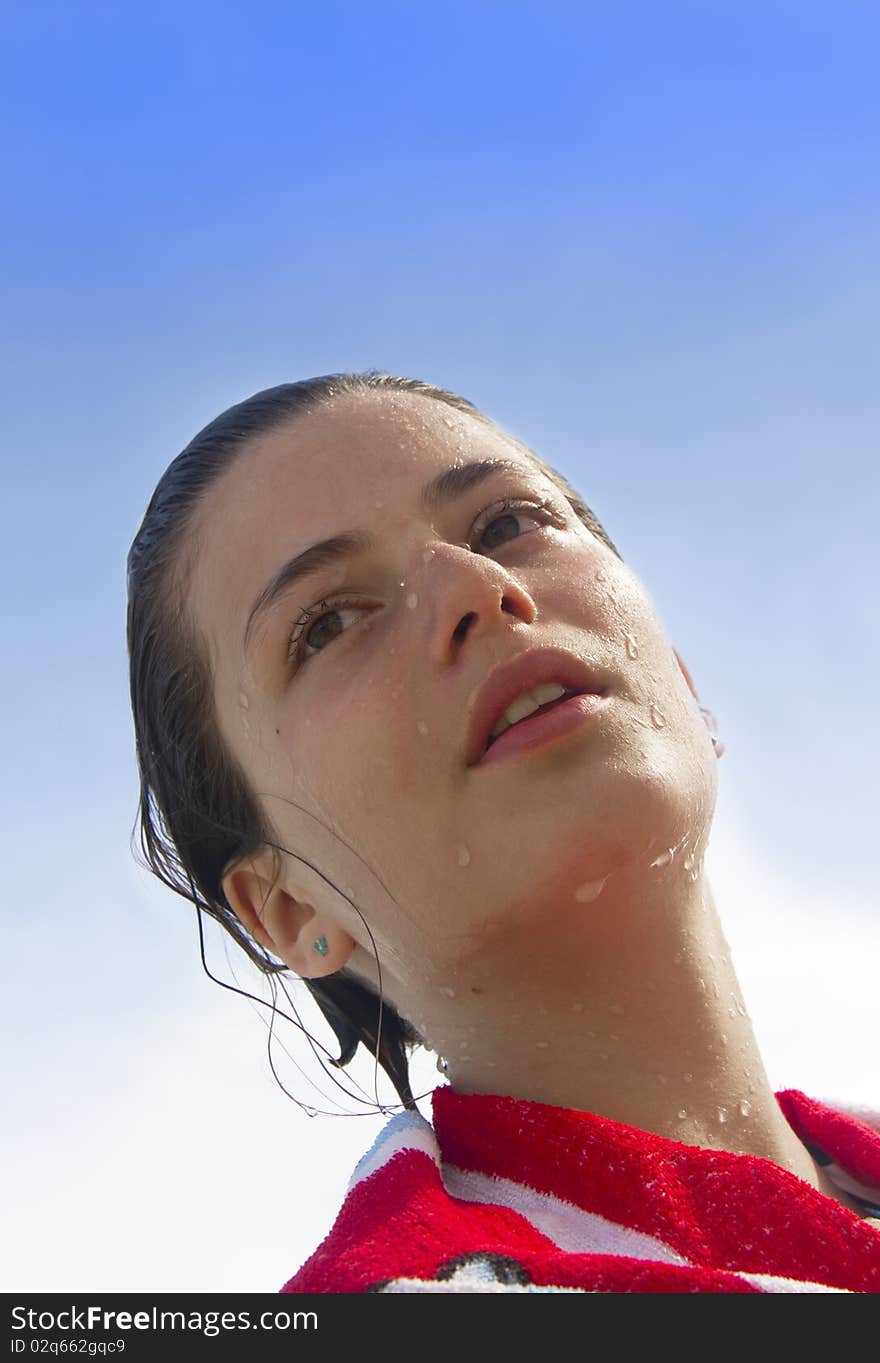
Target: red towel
506,1195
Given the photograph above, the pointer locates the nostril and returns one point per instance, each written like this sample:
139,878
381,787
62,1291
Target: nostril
462,626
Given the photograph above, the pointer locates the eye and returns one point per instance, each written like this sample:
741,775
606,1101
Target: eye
315,617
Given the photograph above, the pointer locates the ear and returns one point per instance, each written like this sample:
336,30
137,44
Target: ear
708,718
686,674
310,941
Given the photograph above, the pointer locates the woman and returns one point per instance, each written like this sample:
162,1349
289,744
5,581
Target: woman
338,590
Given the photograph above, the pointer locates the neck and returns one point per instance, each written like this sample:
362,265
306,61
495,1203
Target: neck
636,1015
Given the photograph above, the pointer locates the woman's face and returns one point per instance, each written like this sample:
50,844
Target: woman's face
356,746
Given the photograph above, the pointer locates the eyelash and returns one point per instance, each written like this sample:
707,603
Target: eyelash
295,655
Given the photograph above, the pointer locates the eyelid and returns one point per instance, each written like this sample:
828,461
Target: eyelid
518,504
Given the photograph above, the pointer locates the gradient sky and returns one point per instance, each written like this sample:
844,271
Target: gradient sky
642,237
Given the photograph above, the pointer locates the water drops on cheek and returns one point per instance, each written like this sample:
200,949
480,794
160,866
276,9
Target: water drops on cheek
590,890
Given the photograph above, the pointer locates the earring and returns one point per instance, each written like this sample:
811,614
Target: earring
321,946
712,726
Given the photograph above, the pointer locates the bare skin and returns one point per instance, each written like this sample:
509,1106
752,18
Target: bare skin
527,916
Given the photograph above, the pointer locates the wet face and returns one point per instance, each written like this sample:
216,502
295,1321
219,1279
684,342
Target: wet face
352,724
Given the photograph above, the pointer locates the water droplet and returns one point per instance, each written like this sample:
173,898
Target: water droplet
577,1007
631,646
542,1045
464,856
617,1008
688,864
682,1112
603,1055
661,1079
664,858
723,1038
745,1107
463,1045
702,983
412,600
450,993
658,719
590,890
601,575
731,1012
447,421
723,1114
687,1077
427,555
379,506
422,728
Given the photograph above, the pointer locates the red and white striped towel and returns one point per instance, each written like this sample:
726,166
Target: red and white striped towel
504,1195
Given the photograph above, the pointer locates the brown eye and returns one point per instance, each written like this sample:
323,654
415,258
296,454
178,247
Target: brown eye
305,632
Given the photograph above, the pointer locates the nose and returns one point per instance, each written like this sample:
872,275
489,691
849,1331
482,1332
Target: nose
468,597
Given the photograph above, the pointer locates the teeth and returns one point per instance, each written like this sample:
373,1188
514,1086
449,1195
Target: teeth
526,705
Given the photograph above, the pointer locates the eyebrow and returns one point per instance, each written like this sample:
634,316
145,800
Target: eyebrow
444,488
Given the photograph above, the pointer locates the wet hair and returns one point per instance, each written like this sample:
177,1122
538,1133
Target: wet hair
198,813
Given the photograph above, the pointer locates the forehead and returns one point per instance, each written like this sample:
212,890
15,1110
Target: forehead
335,468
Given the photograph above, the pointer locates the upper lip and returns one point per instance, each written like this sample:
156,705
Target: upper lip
510,679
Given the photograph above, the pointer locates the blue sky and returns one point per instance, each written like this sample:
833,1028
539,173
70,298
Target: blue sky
644,238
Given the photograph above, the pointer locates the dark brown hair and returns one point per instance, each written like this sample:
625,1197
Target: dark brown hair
197,811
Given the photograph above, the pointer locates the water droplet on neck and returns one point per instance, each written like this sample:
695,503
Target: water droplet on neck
412,600
658,719
464,856
541,1045
687,1077
632,650
590,890
688,862
447,421
427,555
601,575
745,1107
731,1012
682,1113
577,1007
243,700
449,993
664,858
422,728
723,1115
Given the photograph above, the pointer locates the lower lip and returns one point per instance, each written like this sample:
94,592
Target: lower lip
563,719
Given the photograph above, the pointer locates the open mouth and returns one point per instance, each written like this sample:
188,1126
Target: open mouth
542,709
